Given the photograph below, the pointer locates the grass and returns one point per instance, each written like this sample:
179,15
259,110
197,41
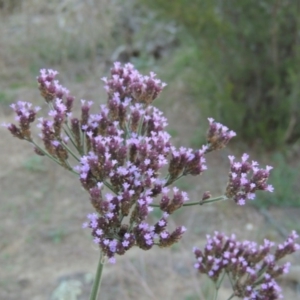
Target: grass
284,177
40,34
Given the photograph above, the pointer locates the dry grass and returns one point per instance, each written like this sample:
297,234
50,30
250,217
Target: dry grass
50,33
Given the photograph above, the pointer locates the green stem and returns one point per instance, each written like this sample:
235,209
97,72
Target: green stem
74,172
231,297
68,132
140,126
70,151
231,280
69,166
220,198
216,294
174,180
218,284
167,178
126,131
51,157
232,285
220,281
83,140
97,280
108,185
44,152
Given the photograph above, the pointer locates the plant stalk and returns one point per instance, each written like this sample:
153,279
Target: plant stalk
97,280
210,200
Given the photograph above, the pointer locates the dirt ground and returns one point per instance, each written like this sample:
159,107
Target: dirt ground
45,254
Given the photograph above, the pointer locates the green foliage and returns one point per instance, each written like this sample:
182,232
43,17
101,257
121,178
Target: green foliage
246,67
285,180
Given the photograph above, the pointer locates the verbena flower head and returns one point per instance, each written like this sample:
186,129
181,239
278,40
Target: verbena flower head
126,162
218,135
253,269
124,157
245,179
124,148
25,115
129,151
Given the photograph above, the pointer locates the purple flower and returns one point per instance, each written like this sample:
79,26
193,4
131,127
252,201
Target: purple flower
245,179
252,268
123,146
218,135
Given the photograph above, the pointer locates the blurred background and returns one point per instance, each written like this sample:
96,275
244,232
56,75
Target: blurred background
235,61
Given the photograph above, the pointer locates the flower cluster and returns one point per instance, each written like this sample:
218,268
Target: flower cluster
252,268
125,161
51,89
25,115
241,185
128,82
129,155
124,148
218,135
